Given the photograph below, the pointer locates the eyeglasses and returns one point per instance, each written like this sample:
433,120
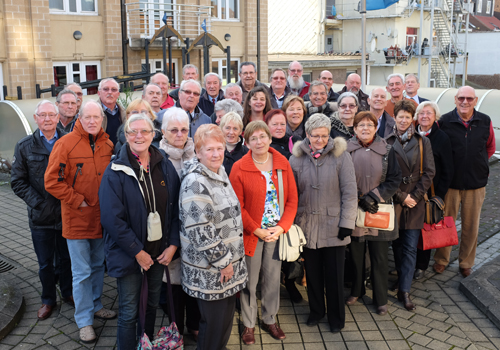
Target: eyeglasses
423,114
468,98
189,92
44,116
317,137
107,89
368,126
279,78
176,131
69,103
295,70
318,93
261,137
247,73
347,106
137,132
145,111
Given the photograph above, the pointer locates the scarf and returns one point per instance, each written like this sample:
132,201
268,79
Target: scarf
424,133
311,109
406,136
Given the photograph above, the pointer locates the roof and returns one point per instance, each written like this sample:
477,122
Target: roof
490,22
319,60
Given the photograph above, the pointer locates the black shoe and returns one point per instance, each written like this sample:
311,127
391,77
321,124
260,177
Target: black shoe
395,286
293,292
404,297
335,329
418,274
312,322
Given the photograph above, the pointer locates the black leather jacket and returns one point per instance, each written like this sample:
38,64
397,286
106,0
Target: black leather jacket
28,168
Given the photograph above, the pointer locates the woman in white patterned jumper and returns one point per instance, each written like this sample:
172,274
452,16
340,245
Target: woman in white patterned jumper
213,268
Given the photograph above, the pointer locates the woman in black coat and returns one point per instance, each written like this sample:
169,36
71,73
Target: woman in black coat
281,141
427,115
232,127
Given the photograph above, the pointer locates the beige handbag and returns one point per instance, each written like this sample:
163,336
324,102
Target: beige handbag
154,222
174,269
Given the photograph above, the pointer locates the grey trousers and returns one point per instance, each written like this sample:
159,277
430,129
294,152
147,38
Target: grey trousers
265,263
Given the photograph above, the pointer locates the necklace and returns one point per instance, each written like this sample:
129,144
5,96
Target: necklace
264,162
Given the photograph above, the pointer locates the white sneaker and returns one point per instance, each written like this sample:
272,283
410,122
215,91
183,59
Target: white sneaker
87,334
105,314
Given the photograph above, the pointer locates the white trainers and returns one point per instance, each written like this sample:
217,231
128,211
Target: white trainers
105,314
87,334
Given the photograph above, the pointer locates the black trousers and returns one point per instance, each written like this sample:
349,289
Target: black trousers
423,258
325,268
216,323
379,251
181,301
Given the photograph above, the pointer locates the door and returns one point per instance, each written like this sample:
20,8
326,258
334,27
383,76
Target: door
329,43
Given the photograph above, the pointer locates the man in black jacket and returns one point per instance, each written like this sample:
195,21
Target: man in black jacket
473,142
28,168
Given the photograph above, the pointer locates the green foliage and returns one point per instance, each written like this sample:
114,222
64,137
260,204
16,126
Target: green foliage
125,100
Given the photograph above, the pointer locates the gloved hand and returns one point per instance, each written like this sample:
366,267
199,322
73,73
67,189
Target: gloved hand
344,232
368,203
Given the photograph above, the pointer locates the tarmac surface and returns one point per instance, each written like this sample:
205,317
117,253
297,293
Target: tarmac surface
444,318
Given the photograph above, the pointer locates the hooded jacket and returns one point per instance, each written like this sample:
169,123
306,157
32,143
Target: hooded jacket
328,196
73,175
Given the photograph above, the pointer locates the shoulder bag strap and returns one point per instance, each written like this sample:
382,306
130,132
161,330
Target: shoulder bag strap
143,302
281,201
421,146
170,296
290,144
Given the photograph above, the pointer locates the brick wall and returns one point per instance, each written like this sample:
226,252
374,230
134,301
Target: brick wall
113,64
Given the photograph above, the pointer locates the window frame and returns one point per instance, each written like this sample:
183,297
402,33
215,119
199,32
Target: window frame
479,8
218,16
488,7
78,12
220,68
69,70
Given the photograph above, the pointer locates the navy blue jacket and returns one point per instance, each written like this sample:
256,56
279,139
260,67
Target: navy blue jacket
206,105
124,214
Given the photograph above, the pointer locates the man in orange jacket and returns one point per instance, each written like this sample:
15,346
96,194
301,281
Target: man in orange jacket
73,175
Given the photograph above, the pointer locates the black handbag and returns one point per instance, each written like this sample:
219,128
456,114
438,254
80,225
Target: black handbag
434,208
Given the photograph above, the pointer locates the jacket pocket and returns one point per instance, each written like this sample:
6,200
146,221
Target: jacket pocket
84,220
332,219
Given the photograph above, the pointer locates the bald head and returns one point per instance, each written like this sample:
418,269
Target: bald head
353,83
327,78
465,100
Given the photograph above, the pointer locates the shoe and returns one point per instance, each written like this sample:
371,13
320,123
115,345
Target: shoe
404,297
87,334
274,330
395,286
335,329
311,322
45,311
418,274
248,336
351,300
293,292
105,314
69,300
438,268
194,334
466,271
382,310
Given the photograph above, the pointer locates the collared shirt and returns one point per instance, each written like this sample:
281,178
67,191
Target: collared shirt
415,98
113,111
52,140
212,99
279,100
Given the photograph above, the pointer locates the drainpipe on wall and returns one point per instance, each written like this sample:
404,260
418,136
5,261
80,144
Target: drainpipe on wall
258,40
124,37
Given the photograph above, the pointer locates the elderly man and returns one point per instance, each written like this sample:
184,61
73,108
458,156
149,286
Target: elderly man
395,86
67,103
248,78
295,81
77,89
153,95
114,114
473,142
279,89
73,175
318,93
412,84
31,157
233,91
162,81
225,106
377,102
189,71
353,84
212,94
327,78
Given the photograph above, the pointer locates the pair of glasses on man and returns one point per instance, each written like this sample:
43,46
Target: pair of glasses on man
468,98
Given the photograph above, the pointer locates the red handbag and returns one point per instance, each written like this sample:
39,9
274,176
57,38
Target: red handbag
442,234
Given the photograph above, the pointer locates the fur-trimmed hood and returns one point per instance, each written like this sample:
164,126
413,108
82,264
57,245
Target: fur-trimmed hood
336,146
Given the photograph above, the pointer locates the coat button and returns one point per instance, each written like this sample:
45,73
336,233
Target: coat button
99,174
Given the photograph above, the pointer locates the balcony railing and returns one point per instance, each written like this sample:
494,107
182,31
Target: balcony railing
144,18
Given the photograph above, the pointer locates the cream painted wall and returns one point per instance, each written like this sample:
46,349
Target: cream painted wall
237,32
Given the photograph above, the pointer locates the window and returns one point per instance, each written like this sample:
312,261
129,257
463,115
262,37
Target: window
479,7
488,7
77,72
219,66
81,7
156,66
411,36
226,9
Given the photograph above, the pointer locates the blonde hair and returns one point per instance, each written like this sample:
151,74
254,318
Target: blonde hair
136,103
205,132
231,117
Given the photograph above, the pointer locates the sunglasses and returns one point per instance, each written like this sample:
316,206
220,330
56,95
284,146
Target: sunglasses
463,98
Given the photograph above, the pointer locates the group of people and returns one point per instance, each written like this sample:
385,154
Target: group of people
200,183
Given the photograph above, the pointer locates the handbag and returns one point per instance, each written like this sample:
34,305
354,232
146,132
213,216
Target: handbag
167,338
154,221
290,244
434,208
174,269
382,220
442,234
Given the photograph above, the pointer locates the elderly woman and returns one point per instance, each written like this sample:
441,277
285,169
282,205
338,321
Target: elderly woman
138,182
427,116
281,142
378,176
255,181
232,127
225,106
179,148
409,197
295,112
256,105
326,213
135,107
343,119
213,264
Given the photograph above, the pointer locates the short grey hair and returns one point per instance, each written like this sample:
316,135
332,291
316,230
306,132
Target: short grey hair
90,102
414,76
44,102
232,85
72,84
104,81
145,87
65,92
400,76
277,70
290,65
137,117
373,90
318,83
188,66
231,117
431,104
229,105
184,82
316,121
247,64
174,113
348,94
211,75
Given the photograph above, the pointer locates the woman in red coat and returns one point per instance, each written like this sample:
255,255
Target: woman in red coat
255,181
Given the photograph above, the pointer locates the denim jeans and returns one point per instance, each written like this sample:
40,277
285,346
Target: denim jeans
87,265
46,243
405,257
129,292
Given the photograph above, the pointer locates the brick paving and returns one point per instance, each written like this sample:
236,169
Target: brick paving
444,318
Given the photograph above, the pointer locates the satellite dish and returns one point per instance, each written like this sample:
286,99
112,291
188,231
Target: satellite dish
373,45
395,35
389,31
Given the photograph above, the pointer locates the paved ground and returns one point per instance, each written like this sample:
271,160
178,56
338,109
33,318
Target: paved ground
444,318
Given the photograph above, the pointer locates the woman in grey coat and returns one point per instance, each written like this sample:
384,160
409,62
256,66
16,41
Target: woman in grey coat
326,184
378,176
